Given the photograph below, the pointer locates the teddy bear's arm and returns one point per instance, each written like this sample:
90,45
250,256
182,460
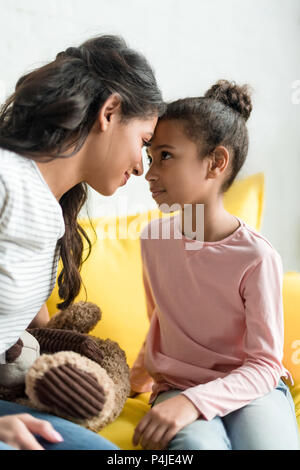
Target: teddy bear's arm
52,341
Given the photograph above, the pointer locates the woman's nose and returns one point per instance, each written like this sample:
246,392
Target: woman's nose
138,169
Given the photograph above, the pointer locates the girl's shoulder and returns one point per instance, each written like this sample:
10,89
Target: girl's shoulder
256,240
256,250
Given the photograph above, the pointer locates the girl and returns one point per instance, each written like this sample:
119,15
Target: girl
81,119
212,356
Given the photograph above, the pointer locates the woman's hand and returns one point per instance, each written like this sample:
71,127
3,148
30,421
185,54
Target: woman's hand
41,319
158,427
17,431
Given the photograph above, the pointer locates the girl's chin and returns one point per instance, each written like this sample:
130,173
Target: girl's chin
168,207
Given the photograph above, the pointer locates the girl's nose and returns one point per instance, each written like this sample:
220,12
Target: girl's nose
152,173
149,175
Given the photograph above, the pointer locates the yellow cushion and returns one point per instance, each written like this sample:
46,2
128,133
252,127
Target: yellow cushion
245,199
291,356
112,276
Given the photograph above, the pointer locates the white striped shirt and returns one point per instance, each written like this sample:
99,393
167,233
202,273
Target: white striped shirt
31,223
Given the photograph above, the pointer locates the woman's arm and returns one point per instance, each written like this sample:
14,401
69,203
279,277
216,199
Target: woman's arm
18,431
41,319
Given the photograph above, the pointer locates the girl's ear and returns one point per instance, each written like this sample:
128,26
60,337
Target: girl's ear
110,109
219,160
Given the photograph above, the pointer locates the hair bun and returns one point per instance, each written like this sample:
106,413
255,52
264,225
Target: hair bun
237,97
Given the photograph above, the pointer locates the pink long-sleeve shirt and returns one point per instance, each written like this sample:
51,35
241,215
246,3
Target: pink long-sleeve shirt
216,317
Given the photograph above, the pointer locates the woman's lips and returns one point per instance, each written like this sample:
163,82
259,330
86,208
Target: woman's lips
126,178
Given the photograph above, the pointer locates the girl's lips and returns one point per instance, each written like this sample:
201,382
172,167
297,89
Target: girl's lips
157,193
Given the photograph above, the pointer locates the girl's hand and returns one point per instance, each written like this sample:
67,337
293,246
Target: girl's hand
132,394
158,427
17,431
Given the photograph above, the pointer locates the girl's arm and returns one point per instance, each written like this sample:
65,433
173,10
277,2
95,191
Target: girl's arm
140,380
41,319
261,291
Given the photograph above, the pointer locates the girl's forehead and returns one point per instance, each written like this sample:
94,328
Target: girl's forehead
171,135
168,129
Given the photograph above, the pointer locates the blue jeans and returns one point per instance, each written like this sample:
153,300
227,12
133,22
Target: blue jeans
75,437
267,423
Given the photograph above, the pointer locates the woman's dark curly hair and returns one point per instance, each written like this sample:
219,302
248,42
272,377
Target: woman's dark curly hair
53,109
218,118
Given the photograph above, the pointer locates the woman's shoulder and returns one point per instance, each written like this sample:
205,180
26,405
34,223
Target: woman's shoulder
9,158
8,178
16,178
24,196
13,168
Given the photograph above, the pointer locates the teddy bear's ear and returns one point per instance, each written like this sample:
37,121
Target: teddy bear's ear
81,317
14,352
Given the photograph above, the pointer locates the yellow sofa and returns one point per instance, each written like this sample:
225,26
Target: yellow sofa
112,277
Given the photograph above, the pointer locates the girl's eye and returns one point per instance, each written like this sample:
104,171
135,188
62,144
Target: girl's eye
146,143
163,154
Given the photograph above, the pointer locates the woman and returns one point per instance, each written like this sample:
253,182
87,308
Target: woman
81,119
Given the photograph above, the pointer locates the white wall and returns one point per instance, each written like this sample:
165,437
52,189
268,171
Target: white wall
191,44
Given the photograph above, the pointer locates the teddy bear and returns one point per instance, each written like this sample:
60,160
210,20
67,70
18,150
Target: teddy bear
62,370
